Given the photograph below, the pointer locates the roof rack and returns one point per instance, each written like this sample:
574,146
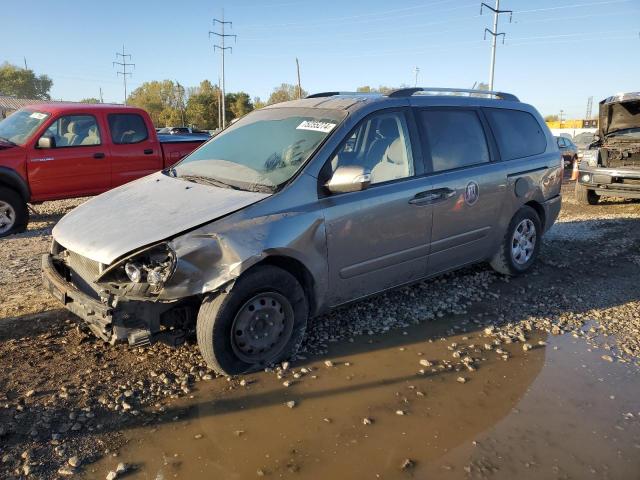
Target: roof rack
408,92
331,94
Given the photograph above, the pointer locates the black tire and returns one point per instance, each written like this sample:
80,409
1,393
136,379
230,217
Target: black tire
585,196
504,261
17,211
218,314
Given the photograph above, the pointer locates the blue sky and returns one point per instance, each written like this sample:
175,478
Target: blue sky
557,52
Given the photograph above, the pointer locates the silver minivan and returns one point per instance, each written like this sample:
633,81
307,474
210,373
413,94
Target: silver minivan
303,206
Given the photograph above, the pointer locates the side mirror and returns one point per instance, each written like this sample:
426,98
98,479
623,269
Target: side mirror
352,178
46,142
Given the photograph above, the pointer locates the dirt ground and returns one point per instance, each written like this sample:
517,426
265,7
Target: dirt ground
469,375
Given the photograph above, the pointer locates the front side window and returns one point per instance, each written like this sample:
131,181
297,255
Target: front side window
74,131
455,138
518,133
261,151
381,145
127,128
18,127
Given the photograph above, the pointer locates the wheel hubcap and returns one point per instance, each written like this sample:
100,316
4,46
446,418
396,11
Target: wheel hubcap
523,242
7,217
262,327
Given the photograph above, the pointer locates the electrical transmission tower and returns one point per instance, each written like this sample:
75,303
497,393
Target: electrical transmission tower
589,108
494,33
124,64
222,36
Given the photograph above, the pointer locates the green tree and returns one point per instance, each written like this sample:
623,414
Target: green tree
380,89
23,83
90,100
258,103
202,105
238,104
284,93
163,100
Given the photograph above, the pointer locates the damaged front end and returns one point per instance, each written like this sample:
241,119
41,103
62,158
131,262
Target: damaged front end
611,165
120,302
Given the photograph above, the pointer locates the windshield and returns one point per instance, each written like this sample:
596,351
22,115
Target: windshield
19,127
261,151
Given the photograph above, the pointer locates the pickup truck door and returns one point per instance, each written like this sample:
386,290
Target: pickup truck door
77,165
135,150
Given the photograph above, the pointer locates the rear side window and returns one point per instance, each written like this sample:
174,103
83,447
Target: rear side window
127,128
455,138
518,133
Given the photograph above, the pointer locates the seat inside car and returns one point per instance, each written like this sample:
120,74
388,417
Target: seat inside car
393,165
386,133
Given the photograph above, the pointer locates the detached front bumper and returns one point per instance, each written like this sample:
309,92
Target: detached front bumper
135,322
617,182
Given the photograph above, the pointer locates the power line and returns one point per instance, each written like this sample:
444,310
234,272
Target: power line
494,33
222,36
124,64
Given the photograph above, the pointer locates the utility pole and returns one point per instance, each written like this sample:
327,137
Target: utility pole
561,117
124,64
101,99
26,67
299,85
222,36
589,108
219,106
416,70
494,33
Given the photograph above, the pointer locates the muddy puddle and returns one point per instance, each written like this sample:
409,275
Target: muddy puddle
558,411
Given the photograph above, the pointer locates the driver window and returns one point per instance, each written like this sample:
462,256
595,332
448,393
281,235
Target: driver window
74,131
381,145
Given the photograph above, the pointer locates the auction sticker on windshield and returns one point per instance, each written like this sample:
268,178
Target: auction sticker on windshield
316,126
38,115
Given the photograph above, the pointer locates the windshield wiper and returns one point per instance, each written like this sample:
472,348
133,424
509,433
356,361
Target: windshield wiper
7,141
208,181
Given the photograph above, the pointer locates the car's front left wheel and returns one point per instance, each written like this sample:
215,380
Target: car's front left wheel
259,322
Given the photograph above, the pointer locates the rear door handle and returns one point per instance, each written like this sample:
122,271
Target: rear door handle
98,155
432,196
148,151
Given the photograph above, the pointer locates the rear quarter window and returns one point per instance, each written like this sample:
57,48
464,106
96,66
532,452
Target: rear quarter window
127,128
518,133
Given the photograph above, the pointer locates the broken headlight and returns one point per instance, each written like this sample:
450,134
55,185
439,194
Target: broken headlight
153,266
590,157
146,270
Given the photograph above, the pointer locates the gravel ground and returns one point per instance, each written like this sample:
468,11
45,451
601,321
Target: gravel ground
65,394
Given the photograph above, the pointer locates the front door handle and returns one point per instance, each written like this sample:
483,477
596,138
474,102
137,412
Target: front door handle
98,155
432,196
148,151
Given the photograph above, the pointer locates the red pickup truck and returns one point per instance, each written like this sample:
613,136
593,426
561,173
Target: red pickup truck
64,150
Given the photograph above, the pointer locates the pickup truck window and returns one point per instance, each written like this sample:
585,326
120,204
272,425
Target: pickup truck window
74,131
19,127
261,151
127,128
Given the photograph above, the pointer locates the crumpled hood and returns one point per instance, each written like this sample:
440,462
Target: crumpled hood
619,115
143,212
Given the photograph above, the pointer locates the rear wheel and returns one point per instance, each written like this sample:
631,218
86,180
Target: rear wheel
261,321
520,245
14,214
585,196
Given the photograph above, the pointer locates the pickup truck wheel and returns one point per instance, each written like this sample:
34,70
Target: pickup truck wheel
260,322
14,214
585,196
520,245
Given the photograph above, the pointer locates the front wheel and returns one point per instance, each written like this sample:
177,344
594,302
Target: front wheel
585,196
14,214
261,321
520,245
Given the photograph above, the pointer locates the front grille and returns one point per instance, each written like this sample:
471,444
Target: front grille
83,271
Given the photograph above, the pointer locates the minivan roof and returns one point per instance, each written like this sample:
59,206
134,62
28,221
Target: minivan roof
354,100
